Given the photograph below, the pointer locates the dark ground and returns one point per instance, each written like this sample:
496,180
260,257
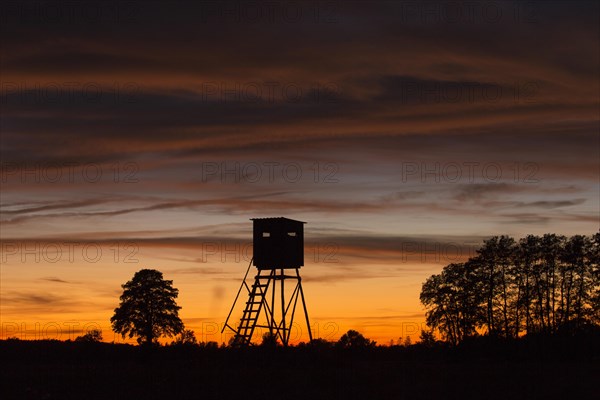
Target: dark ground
567,368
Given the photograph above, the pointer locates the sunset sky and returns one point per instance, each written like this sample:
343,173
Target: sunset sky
147,134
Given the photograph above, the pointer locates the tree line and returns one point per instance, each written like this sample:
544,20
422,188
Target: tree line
538,284
148,310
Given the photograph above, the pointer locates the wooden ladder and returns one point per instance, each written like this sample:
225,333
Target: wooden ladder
256,298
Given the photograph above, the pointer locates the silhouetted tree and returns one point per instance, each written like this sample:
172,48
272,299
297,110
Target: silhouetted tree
551,249
527,256
427,338
453,301
319,343
495,260
540,284
95,335
573,278
148,309
354,339
593,258
269,340
186,337
209,345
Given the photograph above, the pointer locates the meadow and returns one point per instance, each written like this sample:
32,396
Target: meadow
482,368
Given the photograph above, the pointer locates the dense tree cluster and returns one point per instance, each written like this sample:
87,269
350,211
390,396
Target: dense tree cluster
537,284
354,340
93,336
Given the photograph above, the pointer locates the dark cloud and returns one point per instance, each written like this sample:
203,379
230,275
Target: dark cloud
552,204
49,207
31,302
526,219
195,271
156,86
54,279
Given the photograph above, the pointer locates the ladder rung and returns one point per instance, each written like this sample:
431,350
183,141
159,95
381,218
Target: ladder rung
276,277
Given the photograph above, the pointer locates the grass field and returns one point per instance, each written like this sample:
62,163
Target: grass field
62,370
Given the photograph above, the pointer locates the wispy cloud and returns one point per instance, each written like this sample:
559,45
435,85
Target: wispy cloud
55,280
